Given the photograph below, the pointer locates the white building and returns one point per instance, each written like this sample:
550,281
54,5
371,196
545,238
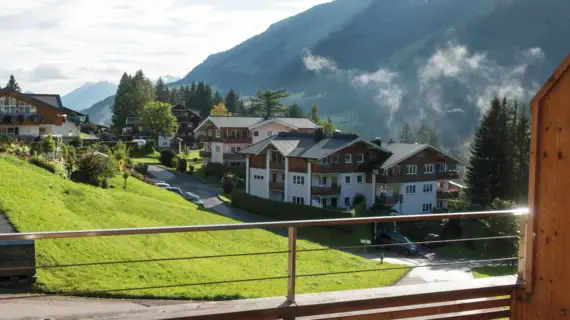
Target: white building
224,137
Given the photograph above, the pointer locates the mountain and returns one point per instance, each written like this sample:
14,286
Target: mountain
101,112
374,64
169,79
88,94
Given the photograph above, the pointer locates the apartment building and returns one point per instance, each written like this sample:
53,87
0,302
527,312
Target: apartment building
224,137
28,116
329,172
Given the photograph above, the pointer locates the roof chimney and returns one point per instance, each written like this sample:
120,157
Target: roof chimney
377,141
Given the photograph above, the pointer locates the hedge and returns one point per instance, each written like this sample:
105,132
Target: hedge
167,157
285,211
218,170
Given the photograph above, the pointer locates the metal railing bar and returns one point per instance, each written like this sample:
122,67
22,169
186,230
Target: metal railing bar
257,225
407,243
141,261
471,262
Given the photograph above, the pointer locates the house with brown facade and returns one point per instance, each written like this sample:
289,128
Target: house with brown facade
224,137
27,116
329,171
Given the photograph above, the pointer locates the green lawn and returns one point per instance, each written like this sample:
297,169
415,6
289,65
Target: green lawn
492,271
36,200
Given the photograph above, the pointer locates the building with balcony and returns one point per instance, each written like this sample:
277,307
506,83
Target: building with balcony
28,116
188,119
329,172
223,137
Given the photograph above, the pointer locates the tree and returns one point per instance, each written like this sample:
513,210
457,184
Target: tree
232,101
422,133
268,103
121,106
217,99
48,145
12,84
406,135
220,110
161,91
294,111
126,175
315,114
489,172
156,118
328,127
143,92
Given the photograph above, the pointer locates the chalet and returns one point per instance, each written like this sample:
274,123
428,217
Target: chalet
224,137
188,119
29,115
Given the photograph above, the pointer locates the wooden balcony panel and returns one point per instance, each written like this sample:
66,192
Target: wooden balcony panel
448,175
276,186
246,140
233,156
475,299
445,195
325,191
277,165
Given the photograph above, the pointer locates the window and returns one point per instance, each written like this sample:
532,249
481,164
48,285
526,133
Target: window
217,133
298,200
282,177
10,130
42,130
277,157
209,133
360,158
439,204
217,148
334,158
347,180
359,178
300,180
235,149
384,172
269,133
325,160
256,133
257,177
411,189
411,169
348,158
347,201
426,207
421,154
429,168
396,171
428,187
441,166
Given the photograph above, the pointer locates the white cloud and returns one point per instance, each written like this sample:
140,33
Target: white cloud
80,37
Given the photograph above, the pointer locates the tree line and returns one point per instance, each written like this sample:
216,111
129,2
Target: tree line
422,134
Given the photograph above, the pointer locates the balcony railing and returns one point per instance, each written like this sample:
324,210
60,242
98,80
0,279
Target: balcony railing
447,194
8,118
475,299
233,156
324,190
388,200
449,174
276,186
205,154
236,139
278,165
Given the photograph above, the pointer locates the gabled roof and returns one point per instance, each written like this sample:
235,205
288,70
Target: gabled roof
53,100
402,151
554,78
253,122
303,145
181,106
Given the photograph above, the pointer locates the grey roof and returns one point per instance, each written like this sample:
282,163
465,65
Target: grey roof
302,145
53,100
246,122
402,151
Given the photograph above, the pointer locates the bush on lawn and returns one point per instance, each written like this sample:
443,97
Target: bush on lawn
94,169
42,163
141,168
358,199
182,165
284,211
167,157
230,181
191,169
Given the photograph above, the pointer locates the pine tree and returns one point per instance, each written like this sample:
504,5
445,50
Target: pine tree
433,139
12,84
294,111
173,97
122,102
143,92
315,114
161,91
232,101
217,99
268,103
406,135
488,172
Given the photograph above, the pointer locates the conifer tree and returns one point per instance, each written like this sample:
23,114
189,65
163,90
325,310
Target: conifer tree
406,135
217,99
232,101
13,84
161,91
268,103
122,102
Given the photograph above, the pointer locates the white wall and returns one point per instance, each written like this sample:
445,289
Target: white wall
413,203
217,152
164,142
298,190
31,130
349,190
263,131
68,129
257,187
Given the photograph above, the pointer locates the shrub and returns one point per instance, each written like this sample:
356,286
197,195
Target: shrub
76,142
196,159
48,144
42,163
358,199
218,170
278,210
182,165
191,169
167,157
141,168
36,148
93,168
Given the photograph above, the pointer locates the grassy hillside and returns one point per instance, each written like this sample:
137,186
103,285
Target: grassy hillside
35,200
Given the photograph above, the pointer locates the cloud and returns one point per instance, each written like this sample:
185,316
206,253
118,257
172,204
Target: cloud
317,63
160,37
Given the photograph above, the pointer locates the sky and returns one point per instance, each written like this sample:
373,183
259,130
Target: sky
55,46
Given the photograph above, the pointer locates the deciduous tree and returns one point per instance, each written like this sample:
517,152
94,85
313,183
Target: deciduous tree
156,118
220,110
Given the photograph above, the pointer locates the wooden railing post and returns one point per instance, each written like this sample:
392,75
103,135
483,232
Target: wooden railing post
292,264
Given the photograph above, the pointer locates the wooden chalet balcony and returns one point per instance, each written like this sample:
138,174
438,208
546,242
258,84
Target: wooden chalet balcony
236,139
233,156
278,165
205,154
447,194
325,190
447,175
388,200
277,186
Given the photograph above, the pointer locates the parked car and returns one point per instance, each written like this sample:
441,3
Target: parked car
406,247
162,185
194,199
176,190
